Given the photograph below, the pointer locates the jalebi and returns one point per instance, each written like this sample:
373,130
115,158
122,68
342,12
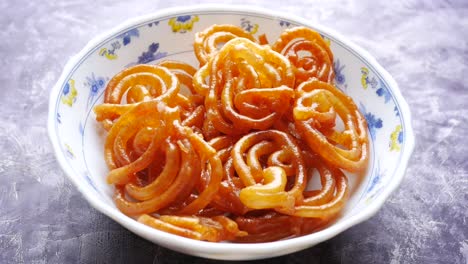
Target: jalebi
229,151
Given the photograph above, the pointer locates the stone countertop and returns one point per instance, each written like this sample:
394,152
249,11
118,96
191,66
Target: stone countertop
423,44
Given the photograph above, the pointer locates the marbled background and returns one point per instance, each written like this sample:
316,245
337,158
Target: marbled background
423,44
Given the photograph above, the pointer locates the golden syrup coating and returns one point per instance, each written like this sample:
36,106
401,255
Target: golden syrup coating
226,151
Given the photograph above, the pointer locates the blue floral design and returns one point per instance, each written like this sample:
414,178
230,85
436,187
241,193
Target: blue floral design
59,118
395,109
115,45
382,91
90,182
95,84
375,186
249,26
66,89
339,76
374,123
127,36
284,23
152,54
155,23
182,24
81,129
69,93
366,80
183,19
110,53
376,179
396,138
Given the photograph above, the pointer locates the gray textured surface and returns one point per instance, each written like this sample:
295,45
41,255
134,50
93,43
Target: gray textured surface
43,219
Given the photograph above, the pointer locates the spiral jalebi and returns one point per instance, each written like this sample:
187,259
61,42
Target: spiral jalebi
229,151
308,52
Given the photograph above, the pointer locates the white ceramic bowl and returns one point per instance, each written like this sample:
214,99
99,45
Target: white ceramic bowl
169,34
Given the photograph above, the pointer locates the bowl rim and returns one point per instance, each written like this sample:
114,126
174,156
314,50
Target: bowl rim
255,249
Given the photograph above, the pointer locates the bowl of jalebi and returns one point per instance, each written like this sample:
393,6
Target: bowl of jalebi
230,132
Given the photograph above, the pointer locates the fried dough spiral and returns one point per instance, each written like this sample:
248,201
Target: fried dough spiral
140,81
146,82
308,52
249,87
315,113
207,42
230,151
247,154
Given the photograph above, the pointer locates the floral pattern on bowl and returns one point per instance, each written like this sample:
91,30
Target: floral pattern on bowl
78,139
